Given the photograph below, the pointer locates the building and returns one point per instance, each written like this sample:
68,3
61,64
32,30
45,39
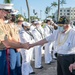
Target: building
69,12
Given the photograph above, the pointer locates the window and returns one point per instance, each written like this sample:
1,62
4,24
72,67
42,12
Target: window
60,10
68,10
68,13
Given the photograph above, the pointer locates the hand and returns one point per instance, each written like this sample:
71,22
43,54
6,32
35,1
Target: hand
71,67
26,45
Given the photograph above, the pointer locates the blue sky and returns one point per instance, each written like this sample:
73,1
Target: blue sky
38,5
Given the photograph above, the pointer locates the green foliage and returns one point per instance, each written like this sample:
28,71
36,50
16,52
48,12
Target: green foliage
47,10
54,4
33,18
7,1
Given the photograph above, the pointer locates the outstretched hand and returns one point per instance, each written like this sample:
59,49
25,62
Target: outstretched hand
26,45
72,67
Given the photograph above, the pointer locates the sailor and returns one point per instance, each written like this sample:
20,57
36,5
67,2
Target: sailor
25,36
48,30
38,35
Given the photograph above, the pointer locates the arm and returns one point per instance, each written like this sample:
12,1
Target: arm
11,44
41,42
50,38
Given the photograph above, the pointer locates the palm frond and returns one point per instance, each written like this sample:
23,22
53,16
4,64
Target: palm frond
7,1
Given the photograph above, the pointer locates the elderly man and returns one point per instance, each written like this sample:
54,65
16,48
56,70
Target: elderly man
64,39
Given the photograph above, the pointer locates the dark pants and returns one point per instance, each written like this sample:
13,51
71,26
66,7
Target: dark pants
3,63
63,63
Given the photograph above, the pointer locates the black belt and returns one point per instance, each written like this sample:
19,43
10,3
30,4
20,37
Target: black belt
65,54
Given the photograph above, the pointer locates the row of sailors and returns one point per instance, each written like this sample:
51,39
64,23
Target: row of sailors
31,35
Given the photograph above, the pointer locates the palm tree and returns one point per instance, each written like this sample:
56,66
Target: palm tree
60,2
54,4
47,11
28,10
58,9
63,2
7,1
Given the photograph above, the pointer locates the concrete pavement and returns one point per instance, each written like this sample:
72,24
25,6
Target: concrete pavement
47,70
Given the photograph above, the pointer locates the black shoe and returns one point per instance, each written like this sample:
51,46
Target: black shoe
32,73
39,67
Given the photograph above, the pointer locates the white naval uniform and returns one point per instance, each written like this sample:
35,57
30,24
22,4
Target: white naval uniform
25,65
26,54
67,46
48,46
37,36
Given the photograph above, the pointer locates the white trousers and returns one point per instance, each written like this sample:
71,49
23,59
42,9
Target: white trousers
38,56
28,59
48,57
25,68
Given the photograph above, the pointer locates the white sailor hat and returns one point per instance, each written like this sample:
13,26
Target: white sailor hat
49,19
14,12
6,6
26,24
38,22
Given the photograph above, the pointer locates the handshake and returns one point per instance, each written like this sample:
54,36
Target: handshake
27,45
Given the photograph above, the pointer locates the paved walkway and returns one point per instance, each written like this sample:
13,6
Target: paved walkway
47,70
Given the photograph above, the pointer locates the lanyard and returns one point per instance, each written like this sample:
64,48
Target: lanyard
64,40
40,32
30,34
51,30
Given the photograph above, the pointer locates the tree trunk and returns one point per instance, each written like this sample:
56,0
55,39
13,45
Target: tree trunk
28,10
58,9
